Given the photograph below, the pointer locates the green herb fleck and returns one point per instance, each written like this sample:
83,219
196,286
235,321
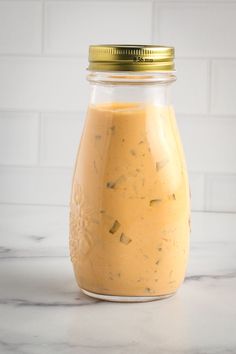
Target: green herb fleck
124,239
161,164
189,223
114,227
111,184
98,137
114,184
95,166
154,202
172,196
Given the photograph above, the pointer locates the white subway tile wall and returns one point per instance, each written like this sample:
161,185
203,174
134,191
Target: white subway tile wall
198,30
196,181
210,144
42,83
20,27
44,94
190,92
19,138
35,185
59,145
223,95
71,26
221,193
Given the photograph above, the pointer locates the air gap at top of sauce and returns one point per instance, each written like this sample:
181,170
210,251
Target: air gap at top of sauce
130,210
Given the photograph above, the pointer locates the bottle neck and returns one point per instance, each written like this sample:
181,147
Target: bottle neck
120,87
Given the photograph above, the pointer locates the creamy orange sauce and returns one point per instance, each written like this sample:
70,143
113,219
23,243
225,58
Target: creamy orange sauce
129,229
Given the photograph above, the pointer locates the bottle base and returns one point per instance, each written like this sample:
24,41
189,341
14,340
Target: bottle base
114,298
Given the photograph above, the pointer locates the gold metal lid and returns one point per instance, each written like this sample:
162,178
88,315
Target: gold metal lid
131,58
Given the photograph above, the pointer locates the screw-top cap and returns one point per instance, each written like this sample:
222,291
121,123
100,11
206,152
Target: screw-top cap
152,58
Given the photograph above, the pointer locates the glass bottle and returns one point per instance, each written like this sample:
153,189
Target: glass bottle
130,212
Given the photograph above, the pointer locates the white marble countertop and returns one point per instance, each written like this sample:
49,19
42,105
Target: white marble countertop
42,310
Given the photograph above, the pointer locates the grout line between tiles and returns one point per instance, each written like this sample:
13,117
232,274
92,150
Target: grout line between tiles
39,138
28,111
34,205
208,95
29,167
43,28
204,192
195,2
61,56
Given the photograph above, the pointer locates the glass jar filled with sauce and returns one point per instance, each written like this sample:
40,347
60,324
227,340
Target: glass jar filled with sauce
130,210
